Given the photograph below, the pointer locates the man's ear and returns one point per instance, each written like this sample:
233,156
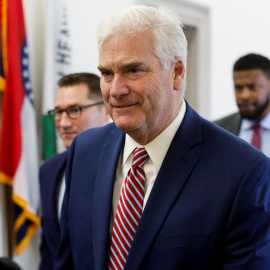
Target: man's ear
179,74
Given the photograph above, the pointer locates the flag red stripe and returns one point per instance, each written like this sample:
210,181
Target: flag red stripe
14,94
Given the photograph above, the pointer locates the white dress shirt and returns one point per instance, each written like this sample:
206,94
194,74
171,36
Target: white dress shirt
62,188
156,150
246,132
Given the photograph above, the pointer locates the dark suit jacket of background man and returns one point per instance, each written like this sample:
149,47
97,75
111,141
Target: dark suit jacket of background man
231,123
51,173
211,196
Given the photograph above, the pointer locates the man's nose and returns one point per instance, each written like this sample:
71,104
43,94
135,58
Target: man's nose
65,120
245,93
119,87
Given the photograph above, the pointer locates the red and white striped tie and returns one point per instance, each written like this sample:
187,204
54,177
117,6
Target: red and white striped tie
129,211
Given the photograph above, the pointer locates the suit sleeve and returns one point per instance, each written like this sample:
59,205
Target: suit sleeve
247,241
45,254
64,256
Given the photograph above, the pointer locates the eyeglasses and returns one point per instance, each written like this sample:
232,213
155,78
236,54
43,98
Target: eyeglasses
73,112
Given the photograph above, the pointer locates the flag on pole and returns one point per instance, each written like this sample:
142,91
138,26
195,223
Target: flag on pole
58,62
18,149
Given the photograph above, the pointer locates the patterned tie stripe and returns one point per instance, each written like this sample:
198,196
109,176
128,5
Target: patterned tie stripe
129,211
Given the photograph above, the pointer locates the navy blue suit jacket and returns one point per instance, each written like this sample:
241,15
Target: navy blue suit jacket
209,207
50,175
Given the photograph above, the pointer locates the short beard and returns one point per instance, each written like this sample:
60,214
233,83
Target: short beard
258,112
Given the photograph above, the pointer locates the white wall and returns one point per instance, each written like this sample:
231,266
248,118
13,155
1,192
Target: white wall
236,27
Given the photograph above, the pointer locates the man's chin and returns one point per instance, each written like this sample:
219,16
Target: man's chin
68,142
67,145
124,123
249,115
246,114
127,127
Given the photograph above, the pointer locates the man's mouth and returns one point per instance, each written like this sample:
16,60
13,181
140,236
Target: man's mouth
246,106
123,106
68,133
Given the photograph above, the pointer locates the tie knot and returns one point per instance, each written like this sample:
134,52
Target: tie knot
140,157
257,128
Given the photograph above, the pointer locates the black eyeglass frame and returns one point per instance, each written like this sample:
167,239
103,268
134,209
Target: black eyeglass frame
81,108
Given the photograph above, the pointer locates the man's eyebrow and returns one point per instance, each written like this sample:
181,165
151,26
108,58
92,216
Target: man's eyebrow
126,66
134,65
70,106
102,68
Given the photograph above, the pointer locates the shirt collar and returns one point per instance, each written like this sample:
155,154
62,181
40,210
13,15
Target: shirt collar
265,123
157,148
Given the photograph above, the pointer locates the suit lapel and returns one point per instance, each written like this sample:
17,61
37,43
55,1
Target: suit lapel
102,200
177,166
57,173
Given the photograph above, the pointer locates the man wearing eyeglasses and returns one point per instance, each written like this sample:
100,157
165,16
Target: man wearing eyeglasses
79,106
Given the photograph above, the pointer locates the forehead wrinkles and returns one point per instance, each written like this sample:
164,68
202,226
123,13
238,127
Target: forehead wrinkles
125,49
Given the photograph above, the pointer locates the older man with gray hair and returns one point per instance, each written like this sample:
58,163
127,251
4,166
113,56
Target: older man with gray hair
161,187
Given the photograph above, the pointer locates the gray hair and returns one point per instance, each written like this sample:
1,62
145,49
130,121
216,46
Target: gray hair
166,28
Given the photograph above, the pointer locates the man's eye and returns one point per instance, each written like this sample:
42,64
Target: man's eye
58,112
238,88
254,86
106,73
133,70
74,110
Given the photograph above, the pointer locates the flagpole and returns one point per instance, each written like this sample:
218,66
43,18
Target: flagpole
9,215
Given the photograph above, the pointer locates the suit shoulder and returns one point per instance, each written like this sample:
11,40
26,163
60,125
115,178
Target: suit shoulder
52,166
98,134
231,123
227,144
54,160
228,119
